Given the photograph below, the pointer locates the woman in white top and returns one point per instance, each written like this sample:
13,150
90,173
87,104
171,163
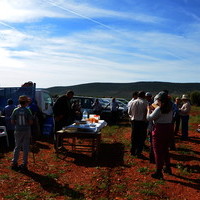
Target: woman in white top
162,132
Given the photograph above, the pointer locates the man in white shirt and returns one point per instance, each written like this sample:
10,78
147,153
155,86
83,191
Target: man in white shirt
184,113
134,96
137,112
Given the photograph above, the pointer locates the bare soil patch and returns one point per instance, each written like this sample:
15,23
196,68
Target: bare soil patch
114,175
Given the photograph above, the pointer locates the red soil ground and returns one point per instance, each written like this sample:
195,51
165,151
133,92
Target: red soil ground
114,175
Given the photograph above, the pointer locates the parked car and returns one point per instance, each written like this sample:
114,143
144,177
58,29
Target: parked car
124,101
123,109
87,102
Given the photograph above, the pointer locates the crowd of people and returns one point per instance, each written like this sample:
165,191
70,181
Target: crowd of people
158,116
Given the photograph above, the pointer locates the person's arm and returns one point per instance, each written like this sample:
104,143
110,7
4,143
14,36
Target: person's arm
153,114
131,109
185,109
13,121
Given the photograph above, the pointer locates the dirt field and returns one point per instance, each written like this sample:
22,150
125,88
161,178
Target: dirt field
114,175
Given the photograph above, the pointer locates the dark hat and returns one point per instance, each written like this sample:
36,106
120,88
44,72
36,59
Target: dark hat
162,96
148,94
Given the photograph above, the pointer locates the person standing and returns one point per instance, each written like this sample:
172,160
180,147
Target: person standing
149,98
162,133
7,112
137,112
22,119
114,111
177,117
184,113
134,96
76,107
37,119
63,113
97,107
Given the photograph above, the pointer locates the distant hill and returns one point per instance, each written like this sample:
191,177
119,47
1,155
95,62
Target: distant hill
125,90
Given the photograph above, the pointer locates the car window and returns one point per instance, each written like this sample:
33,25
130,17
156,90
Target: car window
85,102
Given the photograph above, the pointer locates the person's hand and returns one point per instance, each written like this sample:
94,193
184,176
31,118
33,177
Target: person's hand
150,107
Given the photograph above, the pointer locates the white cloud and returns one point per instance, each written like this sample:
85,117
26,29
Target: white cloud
91,55
19,11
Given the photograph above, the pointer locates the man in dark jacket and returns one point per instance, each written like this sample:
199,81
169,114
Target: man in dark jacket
63,113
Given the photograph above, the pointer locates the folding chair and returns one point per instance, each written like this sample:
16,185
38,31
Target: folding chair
3,133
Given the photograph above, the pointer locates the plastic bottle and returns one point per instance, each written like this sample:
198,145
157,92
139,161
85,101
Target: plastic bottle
85,115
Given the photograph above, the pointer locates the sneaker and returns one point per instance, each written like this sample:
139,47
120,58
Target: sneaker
23,167
167,170
157,175
140,156
14,166
63,149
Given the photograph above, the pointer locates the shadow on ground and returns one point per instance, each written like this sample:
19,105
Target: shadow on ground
52,186
110,155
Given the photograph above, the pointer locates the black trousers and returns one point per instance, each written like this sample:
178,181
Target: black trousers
139,133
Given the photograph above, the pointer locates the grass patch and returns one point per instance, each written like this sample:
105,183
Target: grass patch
185,150
131,163
54,176
79,187
102,186
144,170
119,187
26,195
183,170
109,131
150,188
148,192
4,177
195,119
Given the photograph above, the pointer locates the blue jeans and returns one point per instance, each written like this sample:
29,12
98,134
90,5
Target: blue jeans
184,121
22,140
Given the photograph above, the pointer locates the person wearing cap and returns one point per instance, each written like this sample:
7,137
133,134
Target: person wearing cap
162,133
184,113
9,126
22,119
137,112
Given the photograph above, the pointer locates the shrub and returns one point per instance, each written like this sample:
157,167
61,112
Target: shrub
195,98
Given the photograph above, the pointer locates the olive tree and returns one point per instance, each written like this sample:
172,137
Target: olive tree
195,98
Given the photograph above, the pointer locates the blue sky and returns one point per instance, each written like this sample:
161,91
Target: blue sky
70,42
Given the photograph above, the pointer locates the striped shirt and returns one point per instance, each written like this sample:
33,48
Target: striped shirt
22,117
